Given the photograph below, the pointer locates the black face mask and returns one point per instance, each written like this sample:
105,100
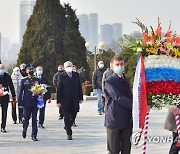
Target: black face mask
23,70
31,73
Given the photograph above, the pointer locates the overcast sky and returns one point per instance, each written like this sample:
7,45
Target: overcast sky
109,11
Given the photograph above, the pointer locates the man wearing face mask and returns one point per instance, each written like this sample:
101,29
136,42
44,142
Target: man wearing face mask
55,81
46,96
16,79
5,84
28,101
23,70
118,115
97,85
69,95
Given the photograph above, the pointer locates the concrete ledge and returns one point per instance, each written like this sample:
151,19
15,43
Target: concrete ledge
89,97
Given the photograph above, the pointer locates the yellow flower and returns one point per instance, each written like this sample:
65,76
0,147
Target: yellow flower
177,52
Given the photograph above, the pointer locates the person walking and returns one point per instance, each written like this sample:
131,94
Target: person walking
28,101
16,79
55,82
23,70
69,95
46,96
6,84
170,125
118,115
97,85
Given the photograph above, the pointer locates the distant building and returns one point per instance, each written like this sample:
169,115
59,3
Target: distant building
117,31
9,52
106,33
88,26
110,33
93,29
26,8
84,26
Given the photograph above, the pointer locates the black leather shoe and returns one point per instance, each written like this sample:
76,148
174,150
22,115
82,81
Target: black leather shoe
69,137
15,122
23,134
64,127
60,117
34,139
74,124
21,121
3,130
41,126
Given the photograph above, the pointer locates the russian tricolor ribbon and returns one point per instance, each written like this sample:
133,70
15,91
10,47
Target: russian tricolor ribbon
139,95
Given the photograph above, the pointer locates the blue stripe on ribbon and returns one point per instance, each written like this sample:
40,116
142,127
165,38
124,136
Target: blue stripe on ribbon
162,74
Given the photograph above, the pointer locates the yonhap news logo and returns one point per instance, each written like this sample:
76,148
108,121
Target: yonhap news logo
137,139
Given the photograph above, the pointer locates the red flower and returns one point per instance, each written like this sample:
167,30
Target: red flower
163,87
159,30
168,34
146,38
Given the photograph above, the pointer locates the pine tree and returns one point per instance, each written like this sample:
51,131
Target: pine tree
52,37
43,38
74,43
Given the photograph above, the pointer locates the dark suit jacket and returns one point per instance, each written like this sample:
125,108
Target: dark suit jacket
25,97
7,83
69,92
118,99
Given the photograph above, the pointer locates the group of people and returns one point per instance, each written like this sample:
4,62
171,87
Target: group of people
23,78
114,98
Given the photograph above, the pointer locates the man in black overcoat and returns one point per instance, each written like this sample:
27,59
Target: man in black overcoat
69,95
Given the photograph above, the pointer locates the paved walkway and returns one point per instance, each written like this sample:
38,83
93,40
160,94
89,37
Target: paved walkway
88,138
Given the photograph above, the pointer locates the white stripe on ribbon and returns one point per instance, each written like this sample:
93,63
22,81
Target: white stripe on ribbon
136,96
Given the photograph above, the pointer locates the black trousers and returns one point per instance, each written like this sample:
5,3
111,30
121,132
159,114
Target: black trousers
14,114
4,106
61,112
118,140
69,118
174,149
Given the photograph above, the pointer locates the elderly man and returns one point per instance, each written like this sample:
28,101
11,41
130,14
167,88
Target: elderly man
97,85
69,95
5,84
46,96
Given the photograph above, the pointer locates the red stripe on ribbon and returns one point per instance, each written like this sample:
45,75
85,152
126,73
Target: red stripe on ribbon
143,95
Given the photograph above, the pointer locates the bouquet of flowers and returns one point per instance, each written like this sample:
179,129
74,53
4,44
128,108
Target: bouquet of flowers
162,65
157,77
2,91
39,90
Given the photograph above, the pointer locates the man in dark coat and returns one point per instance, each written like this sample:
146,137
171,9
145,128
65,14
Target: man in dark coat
118,115
23,70
5,84
55,82
28,101
170,124
46,96
97,85
69,95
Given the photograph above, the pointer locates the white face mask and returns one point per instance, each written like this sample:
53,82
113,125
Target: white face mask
101,65
68,69
17,73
